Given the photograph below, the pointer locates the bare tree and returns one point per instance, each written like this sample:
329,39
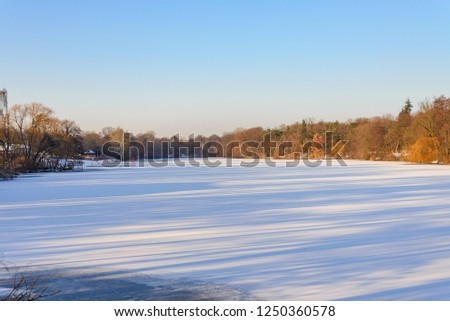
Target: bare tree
34,127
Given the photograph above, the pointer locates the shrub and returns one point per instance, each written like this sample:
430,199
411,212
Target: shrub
7,169
424,150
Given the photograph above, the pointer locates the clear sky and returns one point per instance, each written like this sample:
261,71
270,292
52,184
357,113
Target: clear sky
211,66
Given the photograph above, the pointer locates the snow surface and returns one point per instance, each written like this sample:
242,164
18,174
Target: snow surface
4,292
371,230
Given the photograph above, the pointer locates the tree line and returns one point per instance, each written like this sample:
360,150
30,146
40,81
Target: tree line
32,138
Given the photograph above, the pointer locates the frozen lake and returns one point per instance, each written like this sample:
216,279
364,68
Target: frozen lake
371,230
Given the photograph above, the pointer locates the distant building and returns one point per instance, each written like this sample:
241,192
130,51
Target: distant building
3,101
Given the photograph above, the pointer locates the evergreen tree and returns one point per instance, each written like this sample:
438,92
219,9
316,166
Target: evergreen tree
303,131
407,107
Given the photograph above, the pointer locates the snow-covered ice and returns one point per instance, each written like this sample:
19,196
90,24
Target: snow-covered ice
4,292
370,230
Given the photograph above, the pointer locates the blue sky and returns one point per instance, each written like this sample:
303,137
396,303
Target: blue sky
211,66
